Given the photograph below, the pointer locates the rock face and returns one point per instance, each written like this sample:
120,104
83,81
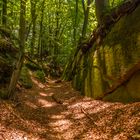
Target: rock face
102,67
7,58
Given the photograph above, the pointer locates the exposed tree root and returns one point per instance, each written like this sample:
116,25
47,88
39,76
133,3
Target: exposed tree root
123,79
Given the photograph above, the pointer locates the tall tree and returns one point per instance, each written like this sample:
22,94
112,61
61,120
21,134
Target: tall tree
75,22
101,7
33,18
86,16
4,12
17,70
41,30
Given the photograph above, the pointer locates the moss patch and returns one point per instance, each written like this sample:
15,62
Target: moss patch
133,86
40,75
3,93
25,78
120,95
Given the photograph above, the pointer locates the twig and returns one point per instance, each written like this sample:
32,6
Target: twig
87,114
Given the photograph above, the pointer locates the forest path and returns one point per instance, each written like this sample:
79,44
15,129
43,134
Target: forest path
55,111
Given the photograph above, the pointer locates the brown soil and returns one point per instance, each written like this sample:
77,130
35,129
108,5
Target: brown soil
55,111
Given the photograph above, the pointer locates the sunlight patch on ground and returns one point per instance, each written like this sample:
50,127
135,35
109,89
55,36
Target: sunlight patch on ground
94,105
30,104
60,125
43,94
98,136
45,103
78,116
57,116
40,85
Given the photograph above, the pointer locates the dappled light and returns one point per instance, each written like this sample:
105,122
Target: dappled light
70,70
41,115
31,105
39,84
61,125
45,103
43,94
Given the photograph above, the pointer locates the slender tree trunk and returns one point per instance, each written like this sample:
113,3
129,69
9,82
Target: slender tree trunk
57,27
4,12
17,70
33,17
86,16
75,23
101,6
40,32
0,12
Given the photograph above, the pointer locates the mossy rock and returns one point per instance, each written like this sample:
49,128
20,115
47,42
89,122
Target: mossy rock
25,79
120,95
133,86
5,70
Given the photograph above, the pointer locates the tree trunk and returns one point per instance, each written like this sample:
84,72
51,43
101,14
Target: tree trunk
75,23
17,70
33,17
86,15
101,6
4,12
40,32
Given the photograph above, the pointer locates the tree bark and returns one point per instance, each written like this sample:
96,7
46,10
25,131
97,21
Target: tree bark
17,70
101,6
4,12
33,17
75,23
86,16
40,32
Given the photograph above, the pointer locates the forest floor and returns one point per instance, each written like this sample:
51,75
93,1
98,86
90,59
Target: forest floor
55,111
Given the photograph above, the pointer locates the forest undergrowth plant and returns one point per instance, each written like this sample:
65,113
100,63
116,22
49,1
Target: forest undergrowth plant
40,75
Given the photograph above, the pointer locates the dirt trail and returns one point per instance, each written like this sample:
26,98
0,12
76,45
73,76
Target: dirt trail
54,111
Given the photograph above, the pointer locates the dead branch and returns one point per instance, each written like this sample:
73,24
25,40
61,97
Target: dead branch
88,115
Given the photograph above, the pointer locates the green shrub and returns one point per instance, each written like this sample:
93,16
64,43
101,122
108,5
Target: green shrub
32,66
40,75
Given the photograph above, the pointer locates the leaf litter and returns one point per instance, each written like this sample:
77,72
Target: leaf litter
55,111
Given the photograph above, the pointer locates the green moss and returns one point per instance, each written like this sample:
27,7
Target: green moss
120,95
3,93
133,86
25,78
40,75
32,66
